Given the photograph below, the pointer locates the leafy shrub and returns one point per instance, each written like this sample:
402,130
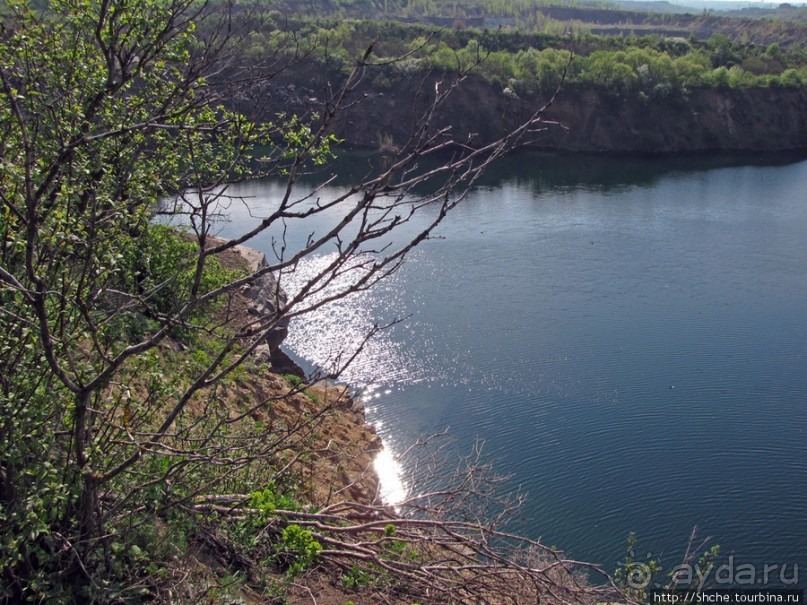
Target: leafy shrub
272,498
160,266
296,550
790,78
355,578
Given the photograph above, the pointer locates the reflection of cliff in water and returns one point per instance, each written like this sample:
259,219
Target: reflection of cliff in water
608,172
543,171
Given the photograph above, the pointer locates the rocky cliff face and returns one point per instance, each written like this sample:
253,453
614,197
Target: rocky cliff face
758,119
585,120
266,299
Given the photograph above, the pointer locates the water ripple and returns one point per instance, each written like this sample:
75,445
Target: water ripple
635,356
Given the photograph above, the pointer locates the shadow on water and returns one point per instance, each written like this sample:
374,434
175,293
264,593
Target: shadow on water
543,171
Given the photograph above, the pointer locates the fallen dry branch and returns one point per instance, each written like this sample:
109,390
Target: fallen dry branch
437,560
446,545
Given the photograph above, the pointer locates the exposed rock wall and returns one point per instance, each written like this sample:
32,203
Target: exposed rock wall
585,119
754,119
266,299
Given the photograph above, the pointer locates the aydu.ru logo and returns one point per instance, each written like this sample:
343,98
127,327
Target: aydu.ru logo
727,574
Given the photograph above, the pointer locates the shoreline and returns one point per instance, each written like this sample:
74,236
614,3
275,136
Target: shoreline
344,462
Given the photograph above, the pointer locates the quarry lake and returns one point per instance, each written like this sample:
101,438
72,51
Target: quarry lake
628,337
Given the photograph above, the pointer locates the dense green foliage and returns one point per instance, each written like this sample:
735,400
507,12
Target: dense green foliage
534,15
126,419
527,63
102,111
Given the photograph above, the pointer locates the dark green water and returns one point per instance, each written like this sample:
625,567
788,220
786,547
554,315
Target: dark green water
629,337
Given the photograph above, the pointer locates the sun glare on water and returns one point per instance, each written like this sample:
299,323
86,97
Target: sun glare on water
331,334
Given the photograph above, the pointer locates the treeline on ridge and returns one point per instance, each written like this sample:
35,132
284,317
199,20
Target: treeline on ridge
522,63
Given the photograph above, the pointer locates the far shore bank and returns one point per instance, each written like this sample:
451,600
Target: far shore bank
580,119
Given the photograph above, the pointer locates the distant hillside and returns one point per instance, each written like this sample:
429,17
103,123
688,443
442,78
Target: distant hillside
636,23
724,7
655,6
784,25
633,81
784,12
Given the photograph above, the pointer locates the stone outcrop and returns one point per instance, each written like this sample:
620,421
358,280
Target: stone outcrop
267,299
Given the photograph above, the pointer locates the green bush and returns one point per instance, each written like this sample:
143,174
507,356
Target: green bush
790,78
160,265
272,498
296,550
355,578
